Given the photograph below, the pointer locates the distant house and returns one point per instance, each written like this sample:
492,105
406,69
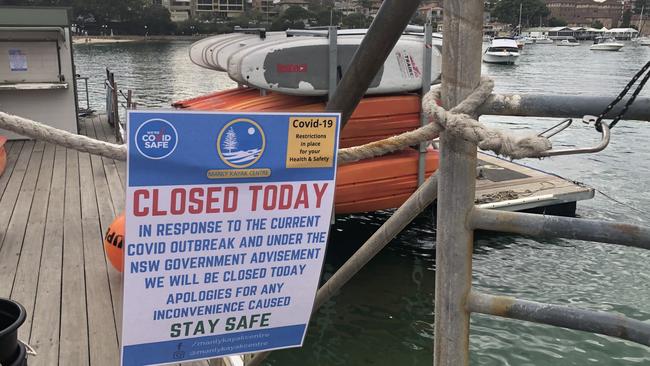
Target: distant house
561,33
431,10
286,4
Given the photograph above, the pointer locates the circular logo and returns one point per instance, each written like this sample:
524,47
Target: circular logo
156,138
241,143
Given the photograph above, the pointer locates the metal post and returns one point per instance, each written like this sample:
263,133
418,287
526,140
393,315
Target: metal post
87,96
461,72
426,86
129,98
333,60
116,112
384,32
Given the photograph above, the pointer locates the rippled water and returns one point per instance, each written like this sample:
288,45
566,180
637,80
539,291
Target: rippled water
385,315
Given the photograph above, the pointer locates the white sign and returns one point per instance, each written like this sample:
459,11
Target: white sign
227,219
17,60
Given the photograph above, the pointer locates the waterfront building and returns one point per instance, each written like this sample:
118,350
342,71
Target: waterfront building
367,8
268,7
586,12
182,10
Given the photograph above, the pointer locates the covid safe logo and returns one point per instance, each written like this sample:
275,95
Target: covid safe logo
156,138
241,143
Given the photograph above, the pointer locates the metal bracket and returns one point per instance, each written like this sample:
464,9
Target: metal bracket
604,141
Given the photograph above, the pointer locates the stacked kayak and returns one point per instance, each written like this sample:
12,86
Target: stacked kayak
295,73
368,185
300,65
375,118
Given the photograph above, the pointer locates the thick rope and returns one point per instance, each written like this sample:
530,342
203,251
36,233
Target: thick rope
458,122
39,131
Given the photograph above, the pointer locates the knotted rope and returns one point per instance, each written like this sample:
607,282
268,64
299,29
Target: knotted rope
457,121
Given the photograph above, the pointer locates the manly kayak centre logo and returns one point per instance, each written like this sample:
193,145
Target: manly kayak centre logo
241,143
156,138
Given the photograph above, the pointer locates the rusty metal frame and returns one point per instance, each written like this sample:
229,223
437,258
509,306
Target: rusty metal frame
458,217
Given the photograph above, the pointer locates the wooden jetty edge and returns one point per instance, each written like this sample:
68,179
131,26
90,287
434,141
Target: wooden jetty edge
55,206
56,203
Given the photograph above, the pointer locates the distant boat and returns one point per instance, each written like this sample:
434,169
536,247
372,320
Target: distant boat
642,41
606,44
569,42
502,50
541,39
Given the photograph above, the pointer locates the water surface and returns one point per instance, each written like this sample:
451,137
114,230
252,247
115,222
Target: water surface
385,315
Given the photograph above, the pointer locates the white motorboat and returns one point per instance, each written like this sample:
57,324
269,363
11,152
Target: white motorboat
569,42
502,50
541,40
642,41
606,44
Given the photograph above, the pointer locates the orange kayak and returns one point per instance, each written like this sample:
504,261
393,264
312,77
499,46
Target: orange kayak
369,185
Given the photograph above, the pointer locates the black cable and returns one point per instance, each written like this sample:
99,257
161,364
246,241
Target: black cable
636,92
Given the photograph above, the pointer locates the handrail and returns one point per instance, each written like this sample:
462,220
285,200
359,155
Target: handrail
599,322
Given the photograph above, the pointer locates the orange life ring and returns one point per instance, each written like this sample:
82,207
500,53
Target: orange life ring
3,154
114,243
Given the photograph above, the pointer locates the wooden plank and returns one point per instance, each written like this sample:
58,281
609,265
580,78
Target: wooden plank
102,336
106,216
25,284
13,149
10,194
74,334
46,320
110,137
12,240
115,186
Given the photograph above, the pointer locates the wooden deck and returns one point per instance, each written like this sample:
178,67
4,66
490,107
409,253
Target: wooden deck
56,204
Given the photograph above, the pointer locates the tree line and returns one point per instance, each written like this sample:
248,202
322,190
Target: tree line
140,17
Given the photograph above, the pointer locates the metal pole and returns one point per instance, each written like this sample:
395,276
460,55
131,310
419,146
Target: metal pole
562,106
613,325
384,32
426,86
562,227
461,72
116,112
87,96
333,60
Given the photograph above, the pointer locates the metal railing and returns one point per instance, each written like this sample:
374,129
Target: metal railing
83,91
113,104
455,299
454,186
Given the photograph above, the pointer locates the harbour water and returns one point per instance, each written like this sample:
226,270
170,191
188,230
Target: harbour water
385,315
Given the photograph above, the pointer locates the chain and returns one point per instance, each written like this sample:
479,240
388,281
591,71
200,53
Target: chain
621,95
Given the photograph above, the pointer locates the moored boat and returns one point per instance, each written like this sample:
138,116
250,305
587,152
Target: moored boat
568,43
642,41
502,50
606,44
541,39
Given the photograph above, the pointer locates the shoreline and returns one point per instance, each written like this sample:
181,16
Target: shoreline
124,39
